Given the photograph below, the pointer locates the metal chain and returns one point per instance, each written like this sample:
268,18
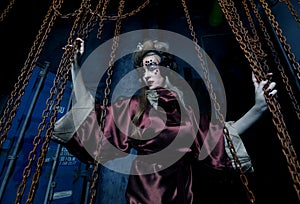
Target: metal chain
132,13
288,151
37,139
23,79
105,101
276,59
216,104
254,41
272,102
257,48
282,133
6,10
292,9
101,22
286,46
85,30
106,17
58,89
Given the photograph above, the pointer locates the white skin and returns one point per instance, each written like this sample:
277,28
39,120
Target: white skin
260,104
153,79
152,76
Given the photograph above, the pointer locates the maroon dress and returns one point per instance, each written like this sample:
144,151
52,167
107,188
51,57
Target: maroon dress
170,140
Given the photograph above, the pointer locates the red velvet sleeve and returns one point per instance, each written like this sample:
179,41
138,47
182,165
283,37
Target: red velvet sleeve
211,145
89,142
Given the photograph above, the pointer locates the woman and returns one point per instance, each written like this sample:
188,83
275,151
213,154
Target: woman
159,124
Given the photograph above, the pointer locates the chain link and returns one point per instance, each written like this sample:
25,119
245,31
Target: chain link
46,113
95,174
282,133
292,9
58,89
107,17
6,10
62,74
286,46
101,22
216,104
23,79
270,44
273,104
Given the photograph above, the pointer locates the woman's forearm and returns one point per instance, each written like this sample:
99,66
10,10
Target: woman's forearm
248,119
260,105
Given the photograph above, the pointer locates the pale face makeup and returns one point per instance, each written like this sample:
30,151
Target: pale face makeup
152,75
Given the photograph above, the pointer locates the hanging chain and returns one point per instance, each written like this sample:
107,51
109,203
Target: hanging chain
85,30
273,104
276,60
101,22
37,139
254,41
286,46
23,79
213,97
105,101
292,9
6,10
58,89
132,13
106,17
282,133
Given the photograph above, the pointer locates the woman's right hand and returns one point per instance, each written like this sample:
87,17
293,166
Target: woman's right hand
79,87
79,43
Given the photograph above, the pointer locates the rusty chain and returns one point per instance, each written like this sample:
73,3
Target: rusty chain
58,89
101,22
23,79
132,13
276,59
95,174
46,113
37,140
55,90
278,120
282,133
273,105
216,104
261,55
286,46
292,9
107,17
6,10
288,150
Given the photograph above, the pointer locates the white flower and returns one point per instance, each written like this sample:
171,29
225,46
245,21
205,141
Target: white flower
139,46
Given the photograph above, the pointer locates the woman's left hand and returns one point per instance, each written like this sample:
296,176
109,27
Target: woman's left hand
260,100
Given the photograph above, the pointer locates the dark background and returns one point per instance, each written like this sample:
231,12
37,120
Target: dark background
272,181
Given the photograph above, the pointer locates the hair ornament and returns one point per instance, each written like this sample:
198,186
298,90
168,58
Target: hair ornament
160,46
139,46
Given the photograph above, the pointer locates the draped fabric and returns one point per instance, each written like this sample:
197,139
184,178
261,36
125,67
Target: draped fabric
170,138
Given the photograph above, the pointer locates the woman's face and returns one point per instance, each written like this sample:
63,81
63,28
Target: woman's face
152,75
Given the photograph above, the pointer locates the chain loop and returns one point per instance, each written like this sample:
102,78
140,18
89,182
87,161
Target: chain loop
107,17
95,174
37,139
217,105
291,7
6,10
276,58
273,104
15,97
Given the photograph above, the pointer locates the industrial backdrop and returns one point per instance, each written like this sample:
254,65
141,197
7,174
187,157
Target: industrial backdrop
32,45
